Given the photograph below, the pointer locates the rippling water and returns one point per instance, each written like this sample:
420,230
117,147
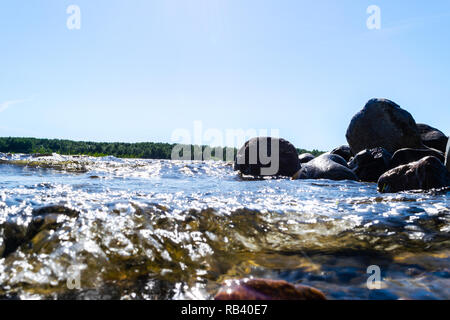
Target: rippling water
154,229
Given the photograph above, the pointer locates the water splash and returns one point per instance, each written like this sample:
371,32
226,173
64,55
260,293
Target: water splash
155,229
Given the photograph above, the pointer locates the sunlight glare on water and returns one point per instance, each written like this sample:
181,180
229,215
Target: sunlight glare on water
156,229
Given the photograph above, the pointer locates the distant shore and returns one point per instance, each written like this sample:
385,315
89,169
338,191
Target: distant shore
140,150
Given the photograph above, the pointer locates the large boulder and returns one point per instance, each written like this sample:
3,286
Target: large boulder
370,164
266,156
336,158
343,151
405,156
305,157
326,166
382,123
427,173
265,289
432,137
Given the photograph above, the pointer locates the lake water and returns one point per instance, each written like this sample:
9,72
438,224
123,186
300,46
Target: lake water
156,229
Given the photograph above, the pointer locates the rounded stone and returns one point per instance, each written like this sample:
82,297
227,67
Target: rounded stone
266,156
382,123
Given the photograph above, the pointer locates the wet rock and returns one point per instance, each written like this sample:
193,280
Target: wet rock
427,173
370,164
305,157
264,289
326,166
336,158
382,123
405,156
432,137
343,151
265,156
44,219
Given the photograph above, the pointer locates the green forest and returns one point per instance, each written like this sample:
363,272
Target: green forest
142,150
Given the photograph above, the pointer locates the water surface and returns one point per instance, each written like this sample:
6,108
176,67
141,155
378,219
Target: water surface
157,229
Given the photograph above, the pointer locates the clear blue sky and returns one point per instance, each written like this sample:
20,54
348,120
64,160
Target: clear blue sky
137,70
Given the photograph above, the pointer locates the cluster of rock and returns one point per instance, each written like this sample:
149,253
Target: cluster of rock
385,145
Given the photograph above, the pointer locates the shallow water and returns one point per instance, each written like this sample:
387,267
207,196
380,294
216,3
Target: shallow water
156,229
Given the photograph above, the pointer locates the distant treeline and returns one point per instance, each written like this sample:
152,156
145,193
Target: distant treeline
315,152
142,150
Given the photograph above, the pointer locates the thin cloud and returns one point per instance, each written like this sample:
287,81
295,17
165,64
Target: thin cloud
5,105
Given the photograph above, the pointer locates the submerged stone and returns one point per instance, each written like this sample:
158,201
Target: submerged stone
55,209
265,289
44,219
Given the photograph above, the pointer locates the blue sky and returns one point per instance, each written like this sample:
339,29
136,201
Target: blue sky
138,70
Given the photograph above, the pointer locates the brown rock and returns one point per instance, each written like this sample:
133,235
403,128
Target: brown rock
265,289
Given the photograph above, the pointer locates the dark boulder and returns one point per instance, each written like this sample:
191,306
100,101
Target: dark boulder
336,158
425,174
405,156
370,164
432,137
326,166
305,157
382,123
265,156
343,151
265,289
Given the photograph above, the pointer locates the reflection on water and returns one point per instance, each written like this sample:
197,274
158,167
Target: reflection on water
158,229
